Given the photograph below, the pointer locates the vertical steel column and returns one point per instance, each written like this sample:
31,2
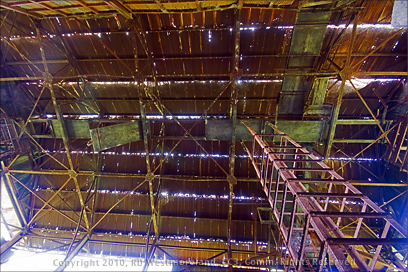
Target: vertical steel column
145,125
233,115
48,83
345,74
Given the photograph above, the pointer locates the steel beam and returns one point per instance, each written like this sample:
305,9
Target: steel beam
73,61
120,8
138,28
11,190
355,66
365,148
369,110
224,57
9,244
353,141
345,74
48,83
186,6
167,77
73,252
233,115
367,241
187,178
114,205
46,203
364,122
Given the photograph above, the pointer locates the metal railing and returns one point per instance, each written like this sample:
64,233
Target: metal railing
309,221
8,137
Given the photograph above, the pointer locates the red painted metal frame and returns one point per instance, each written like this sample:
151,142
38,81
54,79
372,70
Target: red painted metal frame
271,165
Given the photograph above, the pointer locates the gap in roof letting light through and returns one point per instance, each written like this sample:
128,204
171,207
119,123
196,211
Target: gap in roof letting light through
378,26
162,83
242,28
202,155
341,26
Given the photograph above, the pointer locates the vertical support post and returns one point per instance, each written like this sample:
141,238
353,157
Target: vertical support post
96,194
271,180
48,82
327,198
345,74
33,198
285,192
322,256
255,216
262,179
303,242
360,221
379,247
233,115
146,129
275,197
292,221
343,204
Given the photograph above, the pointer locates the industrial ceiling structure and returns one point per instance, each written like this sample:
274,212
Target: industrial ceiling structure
222,135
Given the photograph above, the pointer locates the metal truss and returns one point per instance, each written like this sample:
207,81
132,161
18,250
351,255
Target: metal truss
309,221
8,135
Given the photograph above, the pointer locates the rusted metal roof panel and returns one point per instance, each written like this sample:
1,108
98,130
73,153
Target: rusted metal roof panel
184,47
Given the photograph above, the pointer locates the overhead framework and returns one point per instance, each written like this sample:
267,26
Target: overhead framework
121,124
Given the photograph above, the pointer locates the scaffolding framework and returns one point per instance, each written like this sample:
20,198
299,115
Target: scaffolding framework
309,221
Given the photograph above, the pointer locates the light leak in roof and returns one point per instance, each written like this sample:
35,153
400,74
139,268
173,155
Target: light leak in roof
202,155
246,28
358,82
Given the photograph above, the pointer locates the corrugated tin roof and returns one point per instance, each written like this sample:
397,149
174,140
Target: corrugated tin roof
91,56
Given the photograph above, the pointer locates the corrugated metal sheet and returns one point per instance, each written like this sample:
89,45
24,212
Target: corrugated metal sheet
192,54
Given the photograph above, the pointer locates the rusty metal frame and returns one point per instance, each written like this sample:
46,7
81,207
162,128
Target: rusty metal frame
226,57
319,217
49,85
9,244
120,8
166,77
11,189
162,108
73,62
344,74
71,254
383,135
233,116
159,102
